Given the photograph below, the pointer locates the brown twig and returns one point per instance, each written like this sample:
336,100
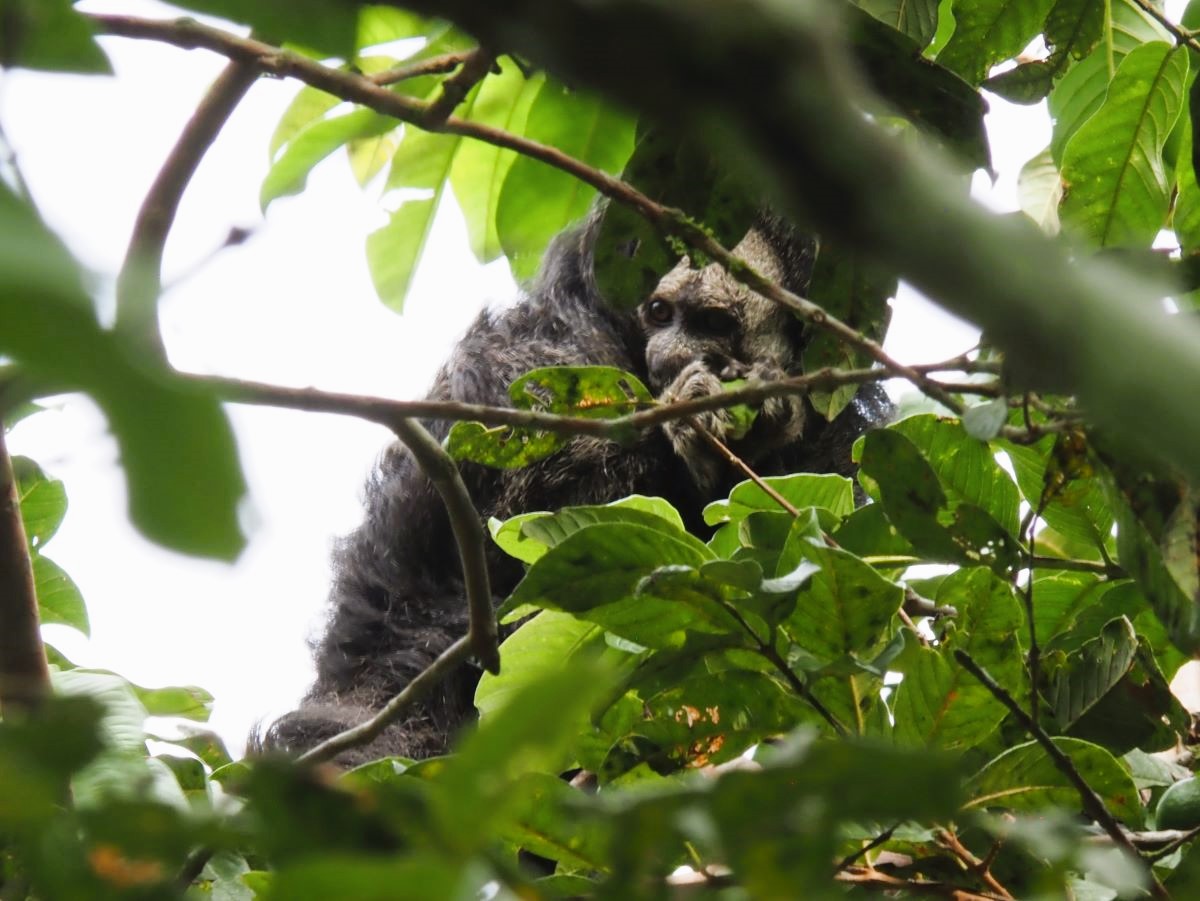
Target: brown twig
1181,36
140,281
24,675
435,65
413,692
871,878
1093,805
454,89
947,839
741,466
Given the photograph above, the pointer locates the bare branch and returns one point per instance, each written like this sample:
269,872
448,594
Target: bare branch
140,281
413,692
475,66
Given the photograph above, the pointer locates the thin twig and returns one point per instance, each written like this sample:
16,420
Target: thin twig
140,281
1093,805
439,467
413,692
454,89
741,466
435,65
1181,36
871,878
949,840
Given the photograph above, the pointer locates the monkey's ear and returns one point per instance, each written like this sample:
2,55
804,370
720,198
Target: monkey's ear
631,256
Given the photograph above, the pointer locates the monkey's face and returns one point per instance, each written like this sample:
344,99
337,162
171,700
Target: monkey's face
706,315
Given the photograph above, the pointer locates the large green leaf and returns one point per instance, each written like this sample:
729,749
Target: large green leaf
537,201
830,492
1116,183
937,517
989,31
313,143
846,607
536,650
940,705
1024,778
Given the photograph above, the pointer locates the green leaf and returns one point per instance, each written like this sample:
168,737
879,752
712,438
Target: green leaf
550,827
846,607
479,170
478,789
312,143
1024,778
308,106
537,650
601,564
1073,28
928,513
537,202
989,31
829,492
1077,506
941,705
990,624
927,94
51,35
916,18
1116,186
1060,599
59,600
43,501
187,701
964,465
592,392
1112,692
1186,217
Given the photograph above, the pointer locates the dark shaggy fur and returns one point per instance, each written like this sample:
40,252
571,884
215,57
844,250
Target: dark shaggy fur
397,599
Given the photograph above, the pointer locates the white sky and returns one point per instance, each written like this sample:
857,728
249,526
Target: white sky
294,305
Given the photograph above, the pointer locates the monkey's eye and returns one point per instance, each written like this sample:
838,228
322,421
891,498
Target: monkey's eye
659,311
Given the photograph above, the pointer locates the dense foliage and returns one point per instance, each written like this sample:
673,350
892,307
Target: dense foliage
796,705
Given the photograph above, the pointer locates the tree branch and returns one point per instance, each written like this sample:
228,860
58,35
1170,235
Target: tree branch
413,692
140,281
24,676
189,34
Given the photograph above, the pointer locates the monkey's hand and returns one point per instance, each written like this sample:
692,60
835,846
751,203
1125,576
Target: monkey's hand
780,419
703,461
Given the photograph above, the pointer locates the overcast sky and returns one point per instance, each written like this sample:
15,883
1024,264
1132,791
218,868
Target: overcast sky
293,305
